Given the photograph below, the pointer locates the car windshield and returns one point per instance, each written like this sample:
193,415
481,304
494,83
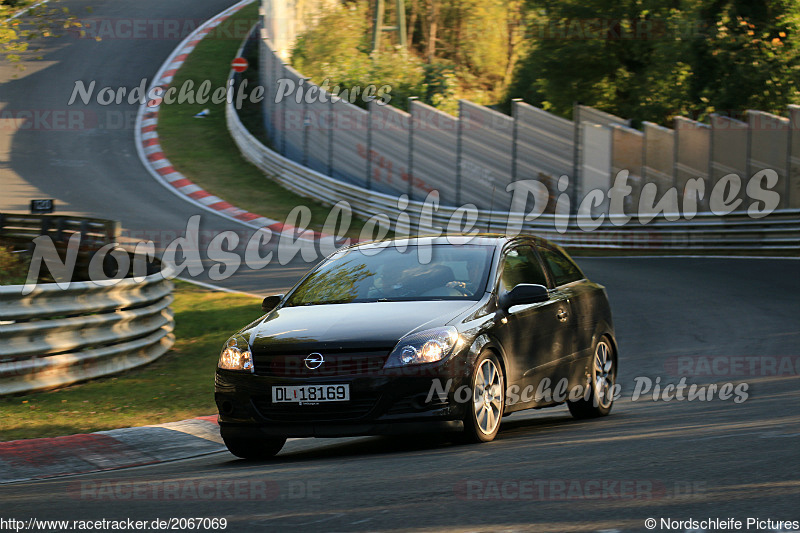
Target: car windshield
362,275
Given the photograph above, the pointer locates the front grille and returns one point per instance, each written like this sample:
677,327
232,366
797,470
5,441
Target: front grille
344,363
285,412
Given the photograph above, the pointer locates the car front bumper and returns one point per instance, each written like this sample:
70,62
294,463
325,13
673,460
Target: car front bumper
380,404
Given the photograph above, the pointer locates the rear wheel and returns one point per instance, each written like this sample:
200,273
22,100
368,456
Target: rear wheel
600,395
482,420
254,448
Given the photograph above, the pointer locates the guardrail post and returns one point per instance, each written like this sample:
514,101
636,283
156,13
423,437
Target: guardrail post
84,231
113,230
45,227
60,221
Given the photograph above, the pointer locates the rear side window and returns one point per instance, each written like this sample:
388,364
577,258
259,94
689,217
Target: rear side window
522,266
563,268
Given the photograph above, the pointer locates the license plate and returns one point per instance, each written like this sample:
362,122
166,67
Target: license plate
310,394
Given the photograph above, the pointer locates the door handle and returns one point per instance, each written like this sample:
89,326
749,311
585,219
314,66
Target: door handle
562,315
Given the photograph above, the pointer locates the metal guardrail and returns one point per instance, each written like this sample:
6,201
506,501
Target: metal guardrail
95,232
53,337
779,231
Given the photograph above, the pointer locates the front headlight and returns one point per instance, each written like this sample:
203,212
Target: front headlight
426,346
236,355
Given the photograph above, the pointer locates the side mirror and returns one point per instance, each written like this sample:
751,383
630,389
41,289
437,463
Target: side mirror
271,302
524,293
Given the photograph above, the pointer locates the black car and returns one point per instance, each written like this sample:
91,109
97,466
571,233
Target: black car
444,334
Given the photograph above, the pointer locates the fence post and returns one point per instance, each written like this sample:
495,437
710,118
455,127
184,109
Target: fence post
675,149
576,155
748,165
458,151
514,136
644,155
411,100
265,82
331,122
306,124
283,123
274,104
369,144
710,170
794,116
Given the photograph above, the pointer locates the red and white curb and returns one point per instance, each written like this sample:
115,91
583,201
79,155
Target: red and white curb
156,162
31,459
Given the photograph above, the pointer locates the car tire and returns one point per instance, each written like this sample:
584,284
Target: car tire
254,448
599,398
485,410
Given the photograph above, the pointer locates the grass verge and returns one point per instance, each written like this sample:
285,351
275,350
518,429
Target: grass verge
13,264
179,385
202,149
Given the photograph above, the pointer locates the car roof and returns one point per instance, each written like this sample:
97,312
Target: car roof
480,239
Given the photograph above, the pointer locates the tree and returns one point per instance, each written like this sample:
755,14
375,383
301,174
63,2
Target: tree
749,56
337,48
456,49
655,59
16,32
623,58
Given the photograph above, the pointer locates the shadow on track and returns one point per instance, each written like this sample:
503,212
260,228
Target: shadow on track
521,426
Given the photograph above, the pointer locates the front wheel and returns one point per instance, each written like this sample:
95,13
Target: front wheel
254,448
482,420
600,394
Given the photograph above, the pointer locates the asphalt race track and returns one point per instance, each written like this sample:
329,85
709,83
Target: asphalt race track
711,320
675,459
93,169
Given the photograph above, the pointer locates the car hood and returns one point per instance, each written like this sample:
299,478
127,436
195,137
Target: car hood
377,325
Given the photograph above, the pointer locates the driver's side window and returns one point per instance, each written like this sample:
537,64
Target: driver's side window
521,266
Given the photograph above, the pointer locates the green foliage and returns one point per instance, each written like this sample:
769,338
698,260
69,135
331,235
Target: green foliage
458,49
336,44
653,60
13,266
749,56
441,83
337,50
41,21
